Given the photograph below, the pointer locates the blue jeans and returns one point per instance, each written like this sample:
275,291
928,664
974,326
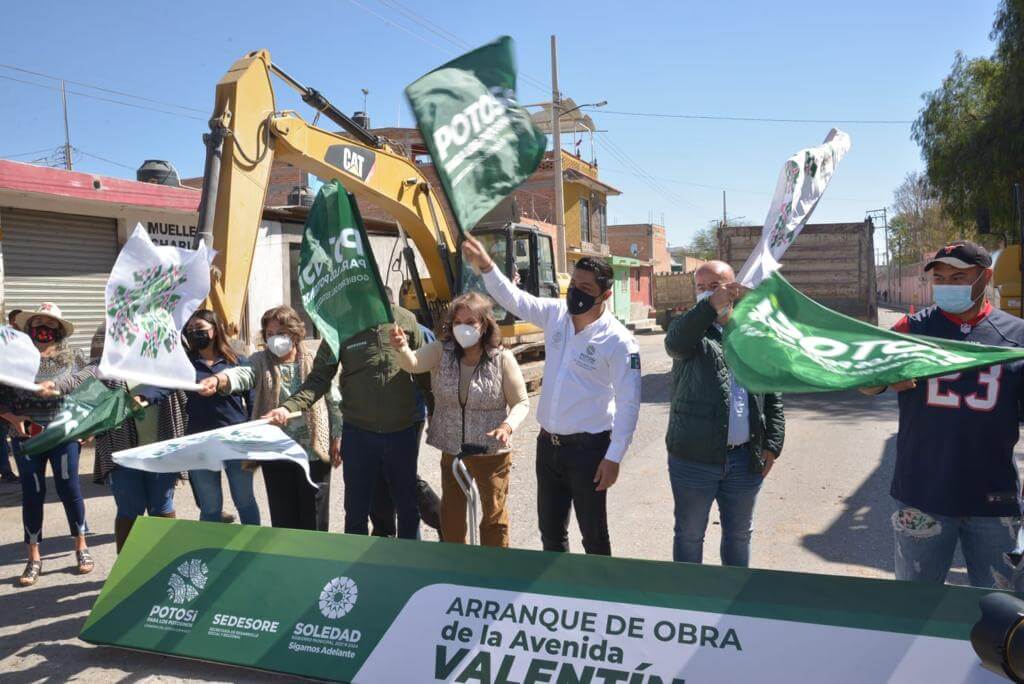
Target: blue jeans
137,492
210,495
926,542
695,486
365,456
63,462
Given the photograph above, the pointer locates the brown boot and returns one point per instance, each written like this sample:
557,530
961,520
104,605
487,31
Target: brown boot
122,526
172,514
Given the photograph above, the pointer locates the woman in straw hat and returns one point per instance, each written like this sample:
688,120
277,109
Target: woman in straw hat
59,372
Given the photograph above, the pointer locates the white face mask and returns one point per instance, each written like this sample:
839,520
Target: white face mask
466,335
279,345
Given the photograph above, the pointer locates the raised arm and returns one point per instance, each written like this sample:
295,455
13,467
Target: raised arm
536,310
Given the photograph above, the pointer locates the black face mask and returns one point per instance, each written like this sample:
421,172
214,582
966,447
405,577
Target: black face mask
198,339
44,335
579,301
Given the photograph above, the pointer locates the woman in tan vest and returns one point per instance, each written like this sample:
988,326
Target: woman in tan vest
479,398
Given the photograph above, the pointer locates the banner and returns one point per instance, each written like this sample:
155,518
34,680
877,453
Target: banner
256,440
19,359
801,184
150,295
779,340
91,409
338,276
482,141
363,609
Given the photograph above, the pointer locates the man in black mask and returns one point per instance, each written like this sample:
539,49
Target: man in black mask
590,400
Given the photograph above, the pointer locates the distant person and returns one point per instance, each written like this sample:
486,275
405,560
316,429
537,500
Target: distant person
955,480
275,374
722,440
589,402
480,398
29,414
7,476
12,318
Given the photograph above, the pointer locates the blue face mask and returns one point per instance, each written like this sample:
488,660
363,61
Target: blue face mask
955,299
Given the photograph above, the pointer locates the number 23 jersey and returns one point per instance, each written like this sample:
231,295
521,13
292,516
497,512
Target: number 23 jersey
954,450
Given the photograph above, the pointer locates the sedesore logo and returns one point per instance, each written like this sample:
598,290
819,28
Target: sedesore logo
338,597
187,581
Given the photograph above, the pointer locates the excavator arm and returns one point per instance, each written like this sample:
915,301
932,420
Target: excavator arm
248,133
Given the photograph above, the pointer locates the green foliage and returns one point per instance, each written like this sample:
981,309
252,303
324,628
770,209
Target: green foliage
704,244
971,129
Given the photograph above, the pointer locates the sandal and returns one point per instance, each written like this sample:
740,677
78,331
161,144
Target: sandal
31,574
85,562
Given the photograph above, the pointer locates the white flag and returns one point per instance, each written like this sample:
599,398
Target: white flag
19,359
150,295
256,440
801,184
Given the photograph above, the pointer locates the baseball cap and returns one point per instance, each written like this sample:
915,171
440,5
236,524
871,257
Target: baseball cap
961,254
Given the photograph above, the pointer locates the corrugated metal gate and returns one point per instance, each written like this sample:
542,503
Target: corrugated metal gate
60,258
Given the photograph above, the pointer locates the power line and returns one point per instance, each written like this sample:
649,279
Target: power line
102,99
639,171
758,119
102,89
103,159
25,154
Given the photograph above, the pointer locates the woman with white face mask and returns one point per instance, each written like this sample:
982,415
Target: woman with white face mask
479,398
274,374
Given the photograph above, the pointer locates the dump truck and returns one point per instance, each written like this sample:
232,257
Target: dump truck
832,263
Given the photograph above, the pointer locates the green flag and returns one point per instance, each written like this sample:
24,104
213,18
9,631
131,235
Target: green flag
482,142
91,409
779,340
338,277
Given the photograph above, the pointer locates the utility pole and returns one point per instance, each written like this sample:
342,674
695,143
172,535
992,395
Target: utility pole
725,216
556,141
365,93
67,134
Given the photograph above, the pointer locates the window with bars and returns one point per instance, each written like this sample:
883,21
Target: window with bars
584,220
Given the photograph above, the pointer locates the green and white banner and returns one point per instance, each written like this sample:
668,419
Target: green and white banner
780,340
91,409
338,277
483,143
362,609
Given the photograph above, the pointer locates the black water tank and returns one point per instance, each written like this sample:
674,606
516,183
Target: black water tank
362,118
301,196
158,171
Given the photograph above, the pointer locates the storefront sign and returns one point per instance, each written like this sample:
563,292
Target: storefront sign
170,233
362,609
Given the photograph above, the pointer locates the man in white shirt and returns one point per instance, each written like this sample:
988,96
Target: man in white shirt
589,402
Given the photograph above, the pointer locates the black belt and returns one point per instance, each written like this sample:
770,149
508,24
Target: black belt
730,447
577,439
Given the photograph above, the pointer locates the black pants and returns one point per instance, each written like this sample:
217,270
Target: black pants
294,504
565,479
382,510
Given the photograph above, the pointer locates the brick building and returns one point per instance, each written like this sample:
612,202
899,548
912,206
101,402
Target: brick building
643,241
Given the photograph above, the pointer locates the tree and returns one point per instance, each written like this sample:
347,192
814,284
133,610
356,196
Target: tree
704,244
919,224
971,129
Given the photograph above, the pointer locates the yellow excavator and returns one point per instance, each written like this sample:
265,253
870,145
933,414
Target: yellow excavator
248,132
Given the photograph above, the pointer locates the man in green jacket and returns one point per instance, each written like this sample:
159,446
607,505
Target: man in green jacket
379,407
722,440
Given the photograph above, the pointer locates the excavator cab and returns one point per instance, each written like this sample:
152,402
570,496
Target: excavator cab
522,252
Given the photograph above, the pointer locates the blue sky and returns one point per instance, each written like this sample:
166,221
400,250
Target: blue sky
866,60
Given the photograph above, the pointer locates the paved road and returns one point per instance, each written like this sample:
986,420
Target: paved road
823,509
